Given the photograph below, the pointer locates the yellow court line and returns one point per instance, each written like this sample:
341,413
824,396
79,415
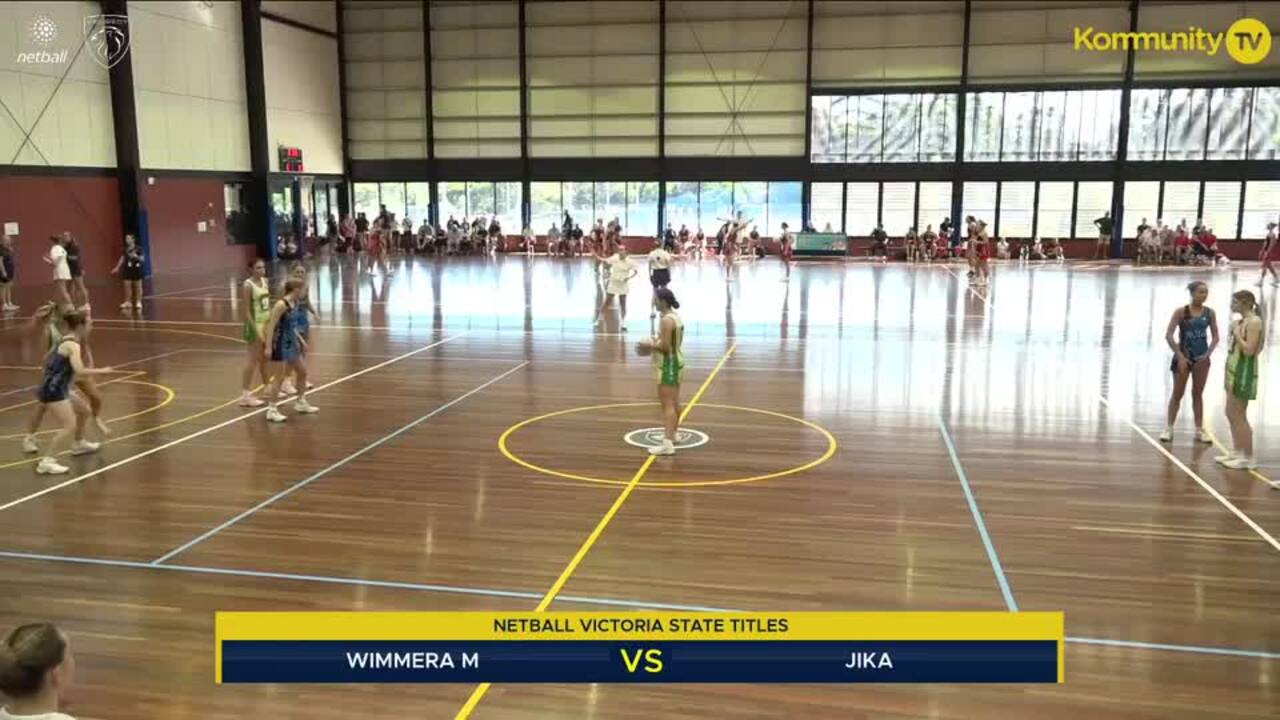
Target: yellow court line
507,453
129,375
1256,475
169,330
478,694
169,396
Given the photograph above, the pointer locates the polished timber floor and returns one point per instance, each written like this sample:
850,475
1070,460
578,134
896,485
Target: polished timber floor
1048,388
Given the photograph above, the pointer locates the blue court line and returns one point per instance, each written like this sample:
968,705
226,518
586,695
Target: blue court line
1009,601
428,587
321,473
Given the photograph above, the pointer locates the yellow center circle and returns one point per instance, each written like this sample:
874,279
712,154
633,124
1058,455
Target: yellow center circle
1248,41
507,453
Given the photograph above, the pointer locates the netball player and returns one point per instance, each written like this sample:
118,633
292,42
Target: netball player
8,273
667,348
1270,250
79,293
1197,329
788,242
48,322
620,269
299,272
61,369
129,268
1245,342
980,251
659,274
287,347
36,670
57,257
255,303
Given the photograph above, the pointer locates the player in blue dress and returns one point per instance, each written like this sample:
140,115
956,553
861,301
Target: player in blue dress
286,346
63,366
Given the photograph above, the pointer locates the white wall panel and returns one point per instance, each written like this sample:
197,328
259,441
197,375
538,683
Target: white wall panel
475,76
76,128
188,73
1030,42
386,79
1215,17
321,14
303,108
880,43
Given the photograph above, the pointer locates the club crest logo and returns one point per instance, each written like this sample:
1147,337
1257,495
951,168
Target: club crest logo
652,437
107,37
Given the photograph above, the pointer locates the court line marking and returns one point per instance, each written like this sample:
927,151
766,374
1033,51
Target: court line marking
321,473
530,595
219,426
128,375
1005,590
1274,485
1199,480
197,333
225,286
169,396
478,694
971,288
116,366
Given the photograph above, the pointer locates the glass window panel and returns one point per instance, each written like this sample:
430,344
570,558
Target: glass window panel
901,128
843,118
1222,208
1054,142
899,212
418,201
715,205
682,206
480,201
980,202
507,201
611,201
1017,205
825,202
1148,117
860,208
579,199
365,198
785,207
865,134
937,127
1141,203
750,202
544,205
1188,121
827,137
1054,211
392,194
1181,200
1018,133
935,204
1264,127
642,208
983,120
1099,124
453,201
1229,123
1261,206
1093,200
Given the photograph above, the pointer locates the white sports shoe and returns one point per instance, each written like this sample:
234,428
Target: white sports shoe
1202,436
49,466
275,416
1167,435
306,408
666,448
84,447
287,387
1242,462
1224,459
126,305
247,400
29,444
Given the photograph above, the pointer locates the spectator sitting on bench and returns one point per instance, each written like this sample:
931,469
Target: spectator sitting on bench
879,243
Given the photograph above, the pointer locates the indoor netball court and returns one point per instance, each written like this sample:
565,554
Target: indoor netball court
859,431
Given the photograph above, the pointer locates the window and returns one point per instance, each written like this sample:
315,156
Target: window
365,196
1141,202
901,128
1057,138
1099,124
507,201
873,128
1264,126
453,200
611,202
1261,206
1229,123
751,203
1017,205
866,129
826,134
642,208
1181,202
579,201
1054,211
1018,131
1188,123
935,204
980,202
715,204
392,195
682,207
417,198
1093,200
983,124
1148,120
480,200
235,222
784,207
899,213
825,201
544,206
937,127
1222,208
861,208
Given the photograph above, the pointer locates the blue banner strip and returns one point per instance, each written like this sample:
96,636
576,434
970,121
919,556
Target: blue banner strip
526,661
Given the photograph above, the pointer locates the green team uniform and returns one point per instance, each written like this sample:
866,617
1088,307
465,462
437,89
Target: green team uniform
260,299
669,366
1242,372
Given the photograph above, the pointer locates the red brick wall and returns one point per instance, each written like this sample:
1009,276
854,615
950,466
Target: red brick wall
175,207
46,205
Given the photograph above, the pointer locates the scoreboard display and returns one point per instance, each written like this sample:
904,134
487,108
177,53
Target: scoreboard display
291,159
631,647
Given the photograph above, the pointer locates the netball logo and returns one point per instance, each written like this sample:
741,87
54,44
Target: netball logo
108,38
652,438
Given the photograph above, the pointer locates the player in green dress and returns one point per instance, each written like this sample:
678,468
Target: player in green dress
1245,342
668,361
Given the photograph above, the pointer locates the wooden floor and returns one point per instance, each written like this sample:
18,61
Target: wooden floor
1026,415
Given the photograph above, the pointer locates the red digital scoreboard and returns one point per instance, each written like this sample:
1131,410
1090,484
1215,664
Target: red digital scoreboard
290,159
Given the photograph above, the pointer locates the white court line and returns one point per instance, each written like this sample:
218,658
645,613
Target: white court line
224,286
321,473
118,365
1191,473
219,426
971,289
